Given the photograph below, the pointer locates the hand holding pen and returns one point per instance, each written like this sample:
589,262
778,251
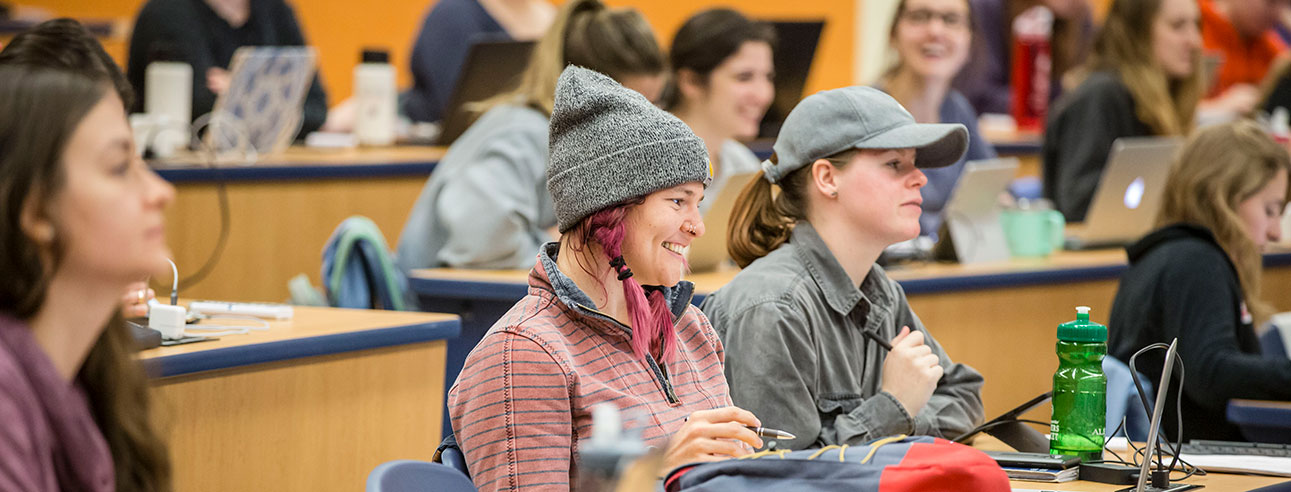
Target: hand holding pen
911,370
712,435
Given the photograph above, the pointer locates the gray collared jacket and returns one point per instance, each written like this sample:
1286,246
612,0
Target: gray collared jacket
795,355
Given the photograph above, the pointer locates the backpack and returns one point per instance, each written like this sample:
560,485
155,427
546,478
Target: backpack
358,271
890,464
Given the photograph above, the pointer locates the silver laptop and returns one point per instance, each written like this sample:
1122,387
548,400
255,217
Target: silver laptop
708,252
972,213
1129,193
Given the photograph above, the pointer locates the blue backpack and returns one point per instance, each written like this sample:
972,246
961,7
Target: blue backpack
358,271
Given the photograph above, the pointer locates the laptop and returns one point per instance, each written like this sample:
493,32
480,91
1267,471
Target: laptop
260,113
708,252
492,67
972,213
1129,193
795,49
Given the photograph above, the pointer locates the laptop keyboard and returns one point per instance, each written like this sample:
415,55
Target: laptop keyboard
1197,446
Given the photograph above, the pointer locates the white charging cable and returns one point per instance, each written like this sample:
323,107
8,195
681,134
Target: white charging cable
261,325
168,319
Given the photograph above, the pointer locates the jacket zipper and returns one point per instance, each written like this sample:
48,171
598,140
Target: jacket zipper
654,366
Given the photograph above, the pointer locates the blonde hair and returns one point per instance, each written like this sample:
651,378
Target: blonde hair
1124,45
764,214
1219,168
616,42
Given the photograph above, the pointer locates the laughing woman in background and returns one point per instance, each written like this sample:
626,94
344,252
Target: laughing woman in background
723,83
933,39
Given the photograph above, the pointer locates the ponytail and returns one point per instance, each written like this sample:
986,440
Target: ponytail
757,227
763,219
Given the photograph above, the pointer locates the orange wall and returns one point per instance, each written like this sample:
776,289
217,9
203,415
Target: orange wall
341,28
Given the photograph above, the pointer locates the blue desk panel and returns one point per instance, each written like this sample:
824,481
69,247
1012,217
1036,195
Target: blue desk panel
294,172
261,353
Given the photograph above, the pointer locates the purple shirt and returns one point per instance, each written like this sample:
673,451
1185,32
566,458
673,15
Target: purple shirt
48,439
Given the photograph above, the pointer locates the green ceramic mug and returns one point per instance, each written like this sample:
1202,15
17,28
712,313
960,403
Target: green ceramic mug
1033,228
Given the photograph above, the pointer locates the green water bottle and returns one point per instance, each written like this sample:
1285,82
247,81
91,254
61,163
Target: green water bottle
1079,389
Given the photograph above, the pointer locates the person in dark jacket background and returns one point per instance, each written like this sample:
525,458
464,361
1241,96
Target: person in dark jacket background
204,34
1144,79
1197,278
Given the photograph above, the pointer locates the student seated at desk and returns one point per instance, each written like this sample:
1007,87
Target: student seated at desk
205,34
446,36
83,219
626,179
1144,80
723,83
847,166
1197,278
932,39
485,206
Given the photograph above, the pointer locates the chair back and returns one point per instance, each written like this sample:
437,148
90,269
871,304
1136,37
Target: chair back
1123,400
450,454
417,476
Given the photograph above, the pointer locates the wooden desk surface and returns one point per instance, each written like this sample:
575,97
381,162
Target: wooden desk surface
282,211
313,404
312,331
1221,482
297,163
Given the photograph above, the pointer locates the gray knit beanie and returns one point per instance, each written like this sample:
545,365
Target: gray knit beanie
609,144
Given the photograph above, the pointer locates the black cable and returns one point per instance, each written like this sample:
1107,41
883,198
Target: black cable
222,198
221,241
1174,448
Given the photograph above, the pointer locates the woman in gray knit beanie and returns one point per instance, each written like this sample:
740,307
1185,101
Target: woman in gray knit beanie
626,179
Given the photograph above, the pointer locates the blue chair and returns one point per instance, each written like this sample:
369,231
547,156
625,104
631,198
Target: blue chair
450,454
1272,345
1123,400
417,476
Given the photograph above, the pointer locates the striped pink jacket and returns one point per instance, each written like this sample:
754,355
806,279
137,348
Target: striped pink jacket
523,400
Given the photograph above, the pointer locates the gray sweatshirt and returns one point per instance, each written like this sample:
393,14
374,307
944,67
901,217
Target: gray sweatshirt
795,356
486,205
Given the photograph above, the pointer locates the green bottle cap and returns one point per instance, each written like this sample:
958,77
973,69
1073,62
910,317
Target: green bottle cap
1082,329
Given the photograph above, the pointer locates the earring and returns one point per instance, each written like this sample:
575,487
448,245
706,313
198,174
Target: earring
833,194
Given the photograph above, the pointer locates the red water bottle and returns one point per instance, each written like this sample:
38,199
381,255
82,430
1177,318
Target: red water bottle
1032,67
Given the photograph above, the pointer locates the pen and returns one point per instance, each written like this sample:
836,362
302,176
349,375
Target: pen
772,433
877,339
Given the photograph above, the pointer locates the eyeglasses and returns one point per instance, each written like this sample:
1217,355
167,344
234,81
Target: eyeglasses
922,17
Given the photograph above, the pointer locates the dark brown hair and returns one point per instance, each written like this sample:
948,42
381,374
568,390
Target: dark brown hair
764,214
975,48
709,38
40,107
66,44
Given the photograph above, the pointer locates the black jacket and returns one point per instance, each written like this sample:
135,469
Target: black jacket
1078,137
1182,284
197,35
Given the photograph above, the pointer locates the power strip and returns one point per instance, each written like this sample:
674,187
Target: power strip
257,309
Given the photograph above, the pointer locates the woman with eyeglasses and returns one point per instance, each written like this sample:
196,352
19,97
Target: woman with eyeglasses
933,39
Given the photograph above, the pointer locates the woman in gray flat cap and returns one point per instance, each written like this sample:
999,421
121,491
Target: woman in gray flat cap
607,318
804,322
